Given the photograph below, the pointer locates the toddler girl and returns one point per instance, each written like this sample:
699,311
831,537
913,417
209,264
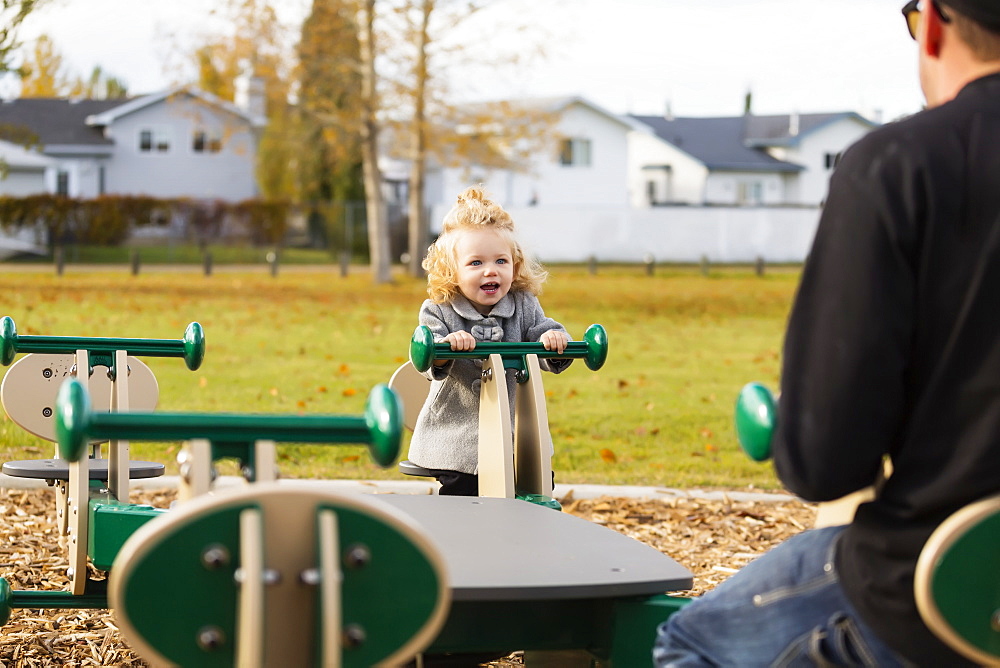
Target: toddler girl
482,287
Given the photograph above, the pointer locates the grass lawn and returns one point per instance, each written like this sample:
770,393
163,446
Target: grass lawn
310,341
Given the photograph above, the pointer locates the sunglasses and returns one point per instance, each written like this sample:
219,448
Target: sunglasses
911,12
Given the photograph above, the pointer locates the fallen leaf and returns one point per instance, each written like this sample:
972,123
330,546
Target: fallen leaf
349,392
608,455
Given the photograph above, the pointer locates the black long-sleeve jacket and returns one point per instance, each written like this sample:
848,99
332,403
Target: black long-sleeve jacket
893,349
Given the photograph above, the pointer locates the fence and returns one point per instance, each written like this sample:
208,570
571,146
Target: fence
668,234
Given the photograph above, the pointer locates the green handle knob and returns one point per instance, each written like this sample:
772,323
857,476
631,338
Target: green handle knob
423,351
72,420
384,419
6,601
597,347
422,348
9,333
194,346
381,427
756,420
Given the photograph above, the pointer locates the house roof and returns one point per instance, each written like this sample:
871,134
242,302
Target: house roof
19,158
109,115
55,120
737,142
777,130
63,122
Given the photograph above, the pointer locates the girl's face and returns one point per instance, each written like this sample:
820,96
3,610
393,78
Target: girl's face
485,267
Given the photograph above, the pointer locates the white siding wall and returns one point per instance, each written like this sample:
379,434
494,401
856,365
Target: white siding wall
811,152
684,183
604,182
744,188
180,171
20,183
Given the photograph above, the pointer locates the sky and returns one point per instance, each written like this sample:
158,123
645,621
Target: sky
688,57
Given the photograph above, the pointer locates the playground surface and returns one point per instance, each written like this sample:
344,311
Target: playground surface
711,533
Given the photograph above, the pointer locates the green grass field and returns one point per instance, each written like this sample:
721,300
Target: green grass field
309,341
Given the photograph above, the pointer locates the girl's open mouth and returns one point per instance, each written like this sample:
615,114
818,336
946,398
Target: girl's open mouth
489,288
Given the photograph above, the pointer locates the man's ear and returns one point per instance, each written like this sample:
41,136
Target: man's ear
933,32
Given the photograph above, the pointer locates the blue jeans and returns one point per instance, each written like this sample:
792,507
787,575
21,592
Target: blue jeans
786,608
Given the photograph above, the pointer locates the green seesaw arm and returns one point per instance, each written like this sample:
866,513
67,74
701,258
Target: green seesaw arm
756,420
191,347
593,349
380,427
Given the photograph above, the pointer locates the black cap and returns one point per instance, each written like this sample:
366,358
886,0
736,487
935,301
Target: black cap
986,12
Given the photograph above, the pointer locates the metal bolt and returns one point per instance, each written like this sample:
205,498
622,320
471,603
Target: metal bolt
215,557
488,374
354,635
46,373
310,577
47,412
357,556
211,638
995,621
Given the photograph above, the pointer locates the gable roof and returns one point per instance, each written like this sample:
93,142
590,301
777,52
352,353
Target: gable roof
18,158
109,115
65,122
764,131
718,143
57,120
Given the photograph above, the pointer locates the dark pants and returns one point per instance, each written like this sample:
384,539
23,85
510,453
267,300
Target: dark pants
454,483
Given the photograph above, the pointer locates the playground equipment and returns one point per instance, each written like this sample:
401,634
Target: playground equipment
512,462
957,601
518,576
28,393
262,559
276,573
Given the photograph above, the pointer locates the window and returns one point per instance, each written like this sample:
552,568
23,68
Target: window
203,142
156,140
831,159
750,192
574,152
62,183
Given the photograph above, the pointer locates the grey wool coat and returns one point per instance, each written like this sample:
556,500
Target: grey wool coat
446,435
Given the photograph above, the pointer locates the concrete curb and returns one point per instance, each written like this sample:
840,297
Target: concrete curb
576,491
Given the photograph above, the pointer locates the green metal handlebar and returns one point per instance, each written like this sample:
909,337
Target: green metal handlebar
593,349
381,426
756,420
191,347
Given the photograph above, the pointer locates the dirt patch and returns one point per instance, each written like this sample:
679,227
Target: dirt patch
712,538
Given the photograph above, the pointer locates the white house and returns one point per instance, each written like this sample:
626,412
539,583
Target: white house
741,160
586,163
177,143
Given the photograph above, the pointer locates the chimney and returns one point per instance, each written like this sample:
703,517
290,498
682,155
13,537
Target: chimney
793,124
256,101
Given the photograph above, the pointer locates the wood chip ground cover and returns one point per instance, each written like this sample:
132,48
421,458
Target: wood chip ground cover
712,538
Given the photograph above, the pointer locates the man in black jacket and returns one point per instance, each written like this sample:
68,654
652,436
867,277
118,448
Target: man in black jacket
892,350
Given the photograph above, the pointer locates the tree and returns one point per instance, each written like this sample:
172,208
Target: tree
501,134
330,102
43,73
378,233
12,14
257,51
99,86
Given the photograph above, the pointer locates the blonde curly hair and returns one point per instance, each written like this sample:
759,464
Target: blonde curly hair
474,210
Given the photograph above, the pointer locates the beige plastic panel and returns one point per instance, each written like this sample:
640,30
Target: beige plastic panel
30,386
